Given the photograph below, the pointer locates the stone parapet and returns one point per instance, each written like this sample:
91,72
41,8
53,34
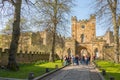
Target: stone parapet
24,57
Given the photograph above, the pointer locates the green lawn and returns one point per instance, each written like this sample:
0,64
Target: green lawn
25,69
111,68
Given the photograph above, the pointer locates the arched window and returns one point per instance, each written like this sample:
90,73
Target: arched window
82,38
69,51
83,26
96,53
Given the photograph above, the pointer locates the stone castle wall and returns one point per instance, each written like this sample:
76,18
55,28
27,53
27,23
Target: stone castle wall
70,47
24,57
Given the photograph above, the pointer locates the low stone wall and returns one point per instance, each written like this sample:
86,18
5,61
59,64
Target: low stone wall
109,54
24,57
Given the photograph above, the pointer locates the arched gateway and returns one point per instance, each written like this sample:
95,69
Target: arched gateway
82,51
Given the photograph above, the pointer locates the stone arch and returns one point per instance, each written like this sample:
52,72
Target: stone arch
69,51
96,53
82,38
83,51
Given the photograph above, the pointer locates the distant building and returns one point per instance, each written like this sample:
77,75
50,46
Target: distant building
32,41
24,41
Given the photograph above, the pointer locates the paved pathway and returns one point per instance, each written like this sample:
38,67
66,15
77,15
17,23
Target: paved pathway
1,78
81,72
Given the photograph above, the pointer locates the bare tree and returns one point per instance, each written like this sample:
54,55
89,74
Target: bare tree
12,64
53,14
110,9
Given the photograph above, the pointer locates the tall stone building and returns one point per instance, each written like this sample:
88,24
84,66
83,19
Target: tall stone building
84,40
83,31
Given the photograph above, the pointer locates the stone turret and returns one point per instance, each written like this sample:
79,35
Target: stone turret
83,30
74,26
74,19
92,16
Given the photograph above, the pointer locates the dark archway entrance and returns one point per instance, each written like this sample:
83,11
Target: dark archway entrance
82,51
69,52
84,55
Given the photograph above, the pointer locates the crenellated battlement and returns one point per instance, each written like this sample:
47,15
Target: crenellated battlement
83,20
24,56
93,16
74,19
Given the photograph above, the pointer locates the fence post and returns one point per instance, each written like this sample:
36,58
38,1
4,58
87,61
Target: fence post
56,66
46,70
103,72
0,55
112,78
31,76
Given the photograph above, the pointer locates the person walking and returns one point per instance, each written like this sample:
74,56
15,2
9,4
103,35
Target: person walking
76,60
65,60
72,59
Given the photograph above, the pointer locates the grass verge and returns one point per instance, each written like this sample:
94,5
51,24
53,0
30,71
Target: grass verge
111,68
37,68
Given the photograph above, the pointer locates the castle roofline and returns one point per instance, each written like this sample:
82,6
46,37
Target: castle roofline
74,18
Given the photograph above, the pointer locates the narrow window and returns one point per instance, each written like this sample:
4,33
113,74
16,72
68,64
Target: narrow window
82,26
82,38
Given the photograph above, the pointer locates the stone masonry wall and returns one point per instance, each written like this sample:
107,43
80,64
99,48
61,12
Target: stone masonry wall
84,28
24,57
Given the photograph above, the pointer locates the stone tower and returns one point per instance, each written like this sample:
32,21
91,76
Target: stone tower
83,31
83,35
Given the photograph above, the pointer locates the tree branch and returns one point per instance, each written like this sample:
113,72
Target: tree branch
110,4
12,1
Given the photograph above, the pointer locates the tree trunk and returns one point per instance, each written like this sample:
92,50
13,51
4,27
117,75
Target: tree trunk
54,31
116,41
116,38
113,8
12,64
52,59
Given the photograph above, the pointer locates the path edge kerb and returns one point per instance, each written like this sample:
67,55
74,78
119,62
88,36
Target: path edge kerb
95,66
46,74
